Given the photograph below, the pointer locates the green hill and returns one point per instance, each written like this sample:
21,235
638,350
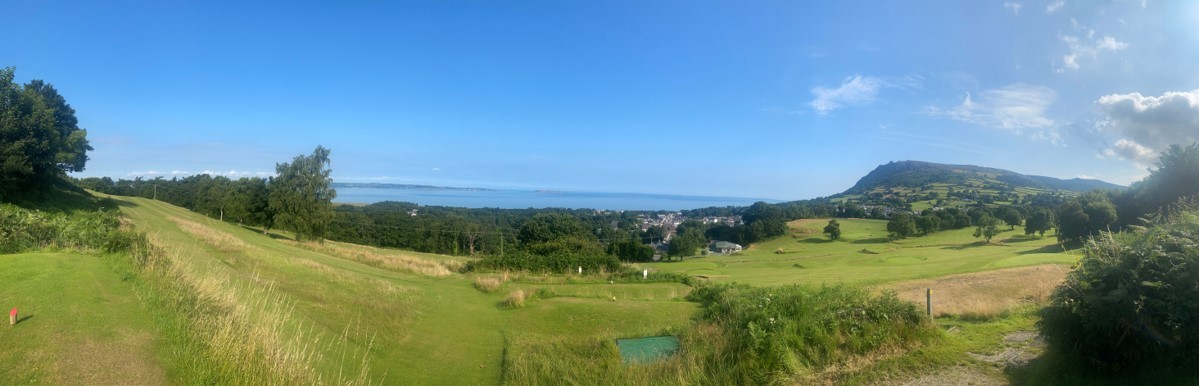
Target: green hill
914,174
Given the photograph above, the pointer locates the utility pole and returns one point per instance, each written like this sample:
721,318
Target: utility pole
155,192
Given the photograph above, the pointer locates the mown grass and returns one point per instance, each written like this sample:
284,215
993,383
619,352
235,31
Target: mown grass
80,322
811,258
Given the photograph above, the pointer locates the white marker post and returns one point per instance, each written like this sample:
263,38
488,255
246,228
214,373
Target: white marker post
580,270
645,274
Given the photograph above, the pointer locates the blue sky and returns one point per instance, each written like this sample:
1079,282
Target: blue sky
783,100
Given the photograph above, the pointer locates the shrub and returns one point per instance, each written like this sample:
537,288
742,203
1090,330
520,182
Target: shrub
1132,301
490,283
516,299
780,331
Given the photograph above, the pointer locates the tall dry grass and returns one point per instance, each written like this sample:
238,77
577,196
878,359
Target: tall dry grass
237,332
222,241
394,262
490,283
516,299
983,295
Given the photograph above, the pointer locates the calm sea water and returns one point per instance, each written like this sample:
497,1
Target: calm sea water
521,199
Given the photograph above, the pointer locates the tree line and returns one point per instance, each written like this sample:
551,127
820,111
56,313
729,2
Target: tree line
298,199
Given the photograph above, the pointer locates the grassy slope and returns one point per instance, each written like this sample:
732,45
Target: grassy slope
810,258
80,324
419,329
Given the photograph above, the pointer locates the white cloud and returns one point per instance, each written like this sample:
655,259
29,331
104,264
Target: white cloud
1146,125
1085,45
1015,108
1054,6
1014,6
859,90
854,90
436,169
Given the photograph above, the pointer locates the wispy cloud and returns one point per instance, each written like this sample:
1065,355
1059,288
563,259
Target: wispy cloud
1014,6
1055,6
858,90
1017,108
1085,44
1146,125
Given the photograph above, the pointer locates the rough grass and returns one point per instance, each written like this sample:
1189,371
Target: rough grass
983,295
395,261
516,299
490,283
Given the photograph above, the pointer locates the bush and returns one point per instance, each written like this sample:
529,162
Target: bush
781,331
1132,301
99,231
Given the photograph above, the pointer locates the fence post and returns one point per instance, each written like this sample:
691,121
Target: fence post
928,302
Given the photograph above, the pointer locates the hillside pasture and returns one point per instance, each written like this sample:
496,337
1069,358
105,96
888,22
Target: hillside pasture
864,255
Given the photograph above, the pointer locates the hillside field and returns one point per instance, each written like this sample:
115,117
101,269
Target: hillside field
864,255
343,313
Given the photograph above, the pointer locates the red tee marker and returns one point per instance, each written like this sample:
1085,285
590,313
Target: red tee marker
13,312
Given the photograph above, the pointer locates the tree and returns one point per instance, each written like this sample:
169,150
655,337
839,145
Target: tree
1010,216
901,225
928,223
39,136
1084,216
763,221
1039,221
987,228
1175,176
301,196
833,230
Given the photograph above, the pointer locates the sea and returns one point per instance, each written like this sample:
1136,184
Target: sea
523,199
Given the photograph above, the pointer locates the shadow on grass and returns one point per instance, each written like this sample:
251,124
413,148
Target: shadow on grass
24,318
272,235
123,203
975,244
1055,368
876,240
1020,239
815,240
1052,248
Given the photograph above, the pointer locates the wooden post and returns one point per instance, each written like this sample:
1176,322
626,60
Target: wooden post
928,301
12,317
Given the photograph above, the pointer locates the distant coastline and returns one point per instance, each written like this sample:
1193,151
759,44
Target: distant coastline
373,185
369,193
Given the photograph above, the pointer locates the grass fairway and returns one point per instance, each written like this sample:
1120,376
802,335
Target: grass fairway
79,324
864,255
376,311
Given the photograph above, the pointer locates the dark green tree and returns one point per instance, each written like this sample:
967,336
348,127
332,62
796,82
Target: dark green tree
928,223
1175,175
901,225
1039,221
39,136
301,195
833,230
987,227
1010,216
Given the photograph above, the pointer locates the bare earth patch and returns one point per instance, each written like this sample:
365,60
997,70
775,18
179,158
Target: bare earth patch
124,361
